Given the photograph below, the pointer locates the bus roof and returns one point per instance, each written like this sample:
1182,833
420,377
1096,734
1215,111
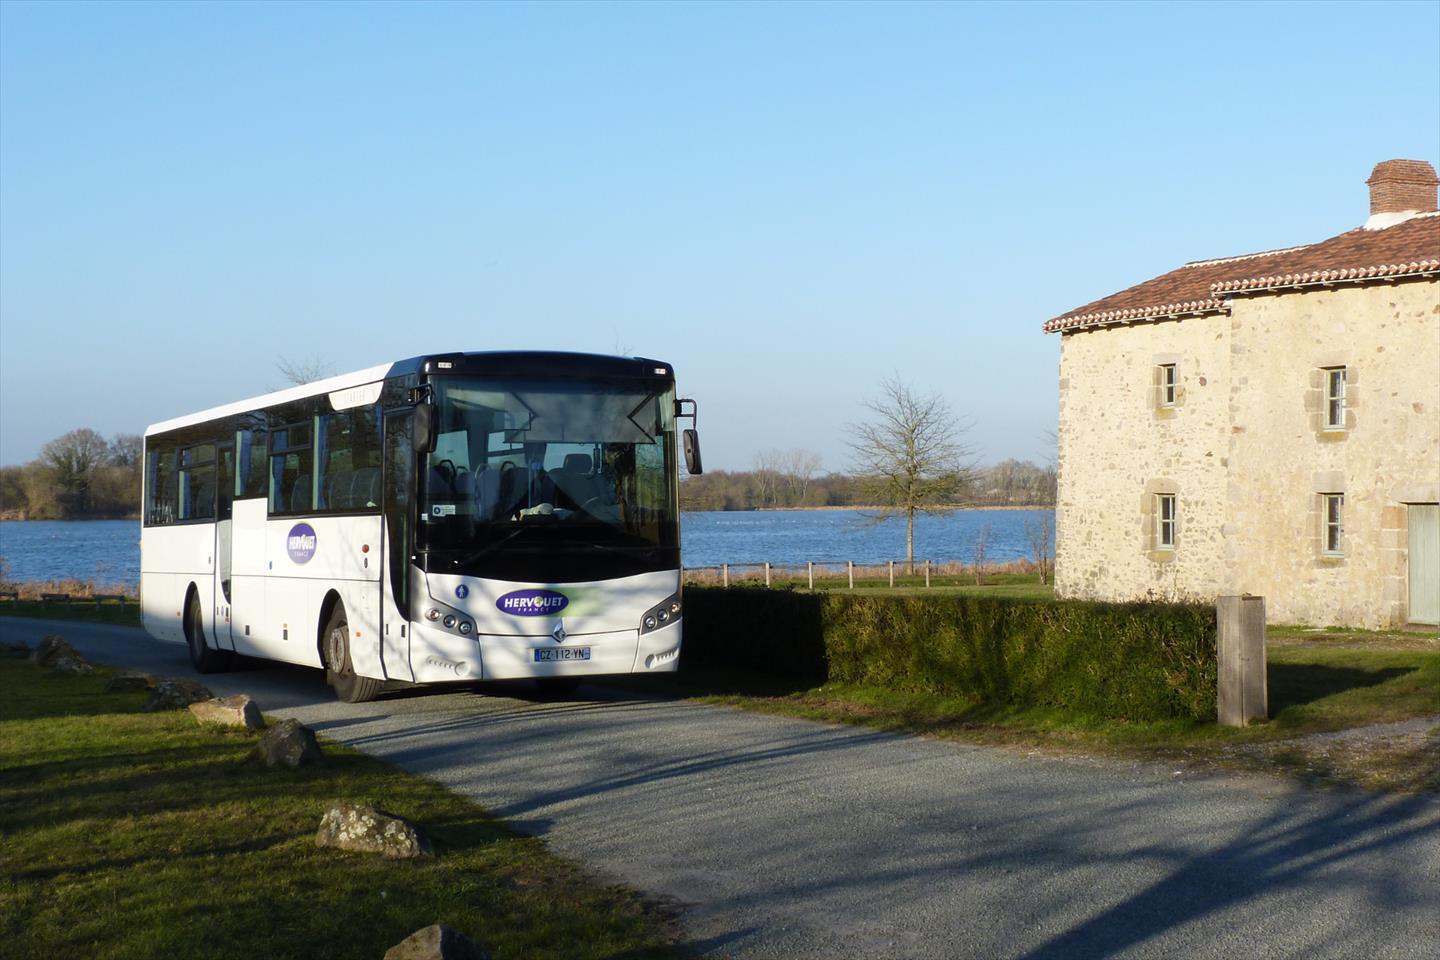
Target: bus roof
527,361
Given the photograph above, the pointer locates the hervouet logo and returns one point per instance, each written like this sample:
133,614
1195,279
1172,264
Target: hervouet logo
300,542
532,603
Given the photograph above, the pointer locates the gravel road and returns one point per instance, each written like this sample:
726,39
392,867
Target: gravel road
781,838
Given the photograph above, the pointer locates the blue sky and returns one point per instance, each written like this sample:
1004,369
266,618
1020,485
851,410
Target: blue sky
786,202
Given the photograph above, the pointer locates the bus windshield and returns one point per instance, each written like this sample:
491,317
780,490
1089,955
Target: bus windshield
553,480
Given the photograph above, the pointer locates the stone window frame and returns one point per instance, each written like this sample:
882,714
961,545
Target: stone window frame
1151,520
1166,397
1319,399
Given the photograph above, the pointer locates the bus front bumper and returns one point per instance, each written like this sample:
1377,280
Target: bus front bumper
440,656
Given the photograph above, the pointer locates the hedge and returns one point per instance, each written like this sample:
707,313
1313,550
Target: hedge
1123,661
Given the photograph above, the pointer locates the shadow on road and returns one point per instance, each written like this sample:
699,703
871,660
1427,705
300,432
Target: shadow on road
1296,847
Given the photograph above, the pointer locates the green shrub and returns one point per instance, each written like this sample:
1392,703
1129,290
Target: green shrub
1123,661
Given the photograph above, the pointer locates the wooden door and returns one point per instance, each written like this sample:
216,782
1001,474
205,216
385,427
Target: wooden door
1425,563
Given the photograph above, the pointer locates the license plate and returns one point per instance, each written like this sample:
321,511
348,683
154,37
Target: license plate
551,654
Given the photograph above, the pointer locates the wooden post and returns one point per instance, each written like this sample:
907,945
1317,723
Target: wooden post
927,573
810,570
1241,694
767,573
851,565
892,573
724,574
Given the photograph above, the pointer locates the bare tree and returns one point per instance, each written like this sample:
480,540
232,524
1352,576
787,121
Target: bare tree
797,467
767,476
910,458
298,372
1040,531
979,552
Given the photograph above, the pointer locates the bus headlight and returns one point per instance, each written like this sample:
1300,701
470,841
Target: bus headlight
450,619
660,615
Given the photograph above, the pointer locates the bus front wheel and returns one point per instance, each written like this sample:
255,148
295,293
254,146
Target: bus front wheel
339,671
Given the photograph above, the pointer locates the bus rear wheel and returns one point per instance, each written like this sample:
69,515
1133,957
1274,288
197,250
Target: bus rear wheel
339,671
202,658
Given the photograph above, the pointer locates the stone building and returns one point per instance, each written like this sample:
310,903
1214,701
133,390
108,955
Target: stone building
1266,424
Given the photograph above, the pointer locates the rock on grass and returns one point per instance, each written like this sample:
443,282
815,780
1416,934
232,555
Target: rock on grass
362,828
233,711
437,942
126,681
172,694
289,743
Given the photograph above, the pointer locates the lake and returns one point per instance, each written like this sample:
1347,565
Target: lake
108,551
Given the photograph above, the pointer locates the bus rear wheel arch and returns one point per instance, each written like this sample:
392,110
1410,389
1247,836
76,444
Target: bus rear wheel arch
335,654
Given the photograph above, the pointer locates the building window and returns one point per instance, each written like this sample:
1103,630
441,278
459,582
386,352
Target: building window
1334,524
1167,384
1334,398
1165,521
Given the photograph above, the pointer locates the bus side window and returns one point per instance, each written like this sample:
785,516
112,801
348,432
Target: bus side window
290,483
160,493
197,482
349,460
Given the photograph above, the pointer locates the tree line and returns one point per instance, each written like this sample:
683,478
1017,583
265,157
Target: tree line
78,476
1011,483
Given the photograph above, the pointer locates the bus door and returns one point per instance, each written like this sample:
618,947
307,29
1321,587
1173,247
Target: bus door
246,557
224,541
399,540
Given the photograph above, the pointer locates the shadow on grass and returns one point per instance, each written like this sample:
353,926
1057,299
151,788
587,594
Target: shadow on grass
83,611
1297,684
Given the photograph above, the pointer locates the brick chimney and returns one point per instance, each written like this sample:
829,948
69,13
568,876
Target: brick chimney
1402,186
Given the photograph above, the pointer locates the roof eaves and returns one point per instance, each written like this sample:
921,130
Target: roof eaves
1387,271
1164,311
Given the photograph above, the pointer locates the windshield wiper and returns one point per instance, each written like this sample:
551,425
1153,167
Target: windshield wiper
631,416
489,548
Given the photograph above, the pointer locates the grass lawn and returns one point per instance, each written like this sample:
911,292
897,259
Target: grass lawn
1320,681
129,834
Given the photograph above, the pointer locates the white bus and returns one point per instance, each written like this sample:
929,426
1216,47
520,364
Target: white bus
456,517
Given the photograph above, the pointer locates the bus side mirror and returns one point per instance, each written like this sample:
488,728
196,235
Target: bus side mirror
692,452
422,437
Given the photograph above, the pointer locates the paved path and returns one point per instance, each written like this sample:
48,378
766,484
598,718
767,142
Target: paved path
781,838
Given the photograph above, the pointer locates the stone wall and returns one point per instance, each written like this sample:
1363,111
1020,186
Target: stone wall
1119,448
1282,459
1246,453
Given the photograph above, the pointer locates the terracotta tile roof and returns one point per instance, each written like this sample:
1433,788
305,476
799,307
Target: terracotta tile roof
1357,256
